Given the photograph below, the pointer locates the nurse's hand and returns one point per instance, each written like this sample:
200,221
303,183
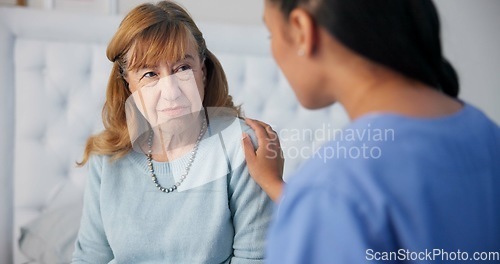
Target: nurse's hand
266,163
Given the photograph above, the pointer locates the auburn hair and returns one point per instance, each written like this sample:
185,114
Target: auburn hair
152,33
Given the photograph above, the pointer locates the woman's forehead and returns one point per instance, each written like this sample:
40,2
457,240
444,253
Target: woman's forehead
135,63
145,53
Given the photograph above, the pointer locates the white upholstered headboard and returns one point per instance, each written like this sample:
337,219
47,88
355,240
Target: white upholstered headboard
53,75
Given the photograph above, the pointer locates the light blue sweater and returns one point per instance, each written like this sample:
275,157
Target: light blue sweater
397,188
220,216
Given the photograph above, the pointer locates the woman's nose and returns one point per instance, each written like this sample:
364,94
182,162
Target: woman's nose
169,88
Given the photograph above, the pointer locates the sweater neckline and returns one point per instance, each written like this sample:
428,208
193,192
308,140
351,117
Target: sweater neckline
166,167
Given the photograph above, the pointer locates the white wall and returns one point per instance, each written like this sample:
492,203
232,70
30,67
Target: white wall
471,38
229,11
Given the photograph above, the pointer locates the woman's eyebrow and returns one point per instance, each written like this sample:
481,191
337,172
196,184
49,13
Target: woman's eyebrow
145,68
187,57
151,67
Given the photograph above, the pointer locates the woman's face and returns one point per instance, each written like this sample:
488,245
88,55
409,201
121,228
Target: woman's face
280,44
303,74
283,50
171,92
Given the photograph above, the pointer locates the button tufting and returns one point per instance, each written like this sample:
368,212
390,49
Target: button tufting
63,103
41,137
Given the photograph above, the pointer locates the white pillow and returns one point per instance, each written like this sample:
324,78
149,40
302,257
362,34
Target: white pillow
50,238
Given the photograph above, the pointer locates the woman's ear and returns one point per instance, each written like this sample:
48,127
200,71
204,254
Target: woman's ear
124,78
125,81
303,31
204,70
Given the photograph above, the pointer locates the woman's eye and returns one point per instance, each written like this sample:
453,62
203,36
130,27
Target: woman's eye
183,68
149,75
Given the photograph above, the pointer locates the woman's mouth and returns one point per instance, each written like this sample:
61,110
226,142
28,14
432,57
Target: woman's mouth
175,111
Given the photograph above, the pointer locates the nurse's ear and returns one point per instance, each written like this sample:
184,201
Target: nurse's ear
303,31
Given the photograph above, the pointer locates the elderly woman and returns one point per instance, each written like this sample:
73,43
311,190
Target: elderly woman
168,182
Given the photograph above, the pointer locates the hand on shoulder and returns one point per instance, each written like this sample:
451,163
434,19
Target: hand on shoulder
265,164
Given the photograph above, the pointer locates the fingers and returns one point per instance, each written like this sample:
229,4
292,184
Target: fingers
248,148
263,131
269,144
260,131
266,127
257,124
272,135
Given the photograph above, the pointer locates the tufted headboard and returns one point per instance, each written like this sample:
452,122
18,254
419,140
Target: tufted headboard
53,75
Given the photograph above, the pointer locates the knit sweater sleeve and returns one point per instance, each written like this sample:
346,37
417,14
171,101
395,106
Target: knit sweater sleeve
91,245
251,210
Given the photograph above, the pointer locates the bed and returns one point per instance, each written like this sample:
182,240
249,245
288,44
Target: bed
53,74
